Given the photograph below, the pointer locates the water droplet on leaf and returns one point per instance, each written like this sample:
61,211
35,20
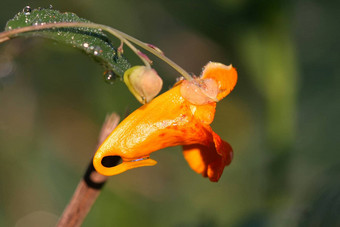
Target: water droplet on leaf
110,77
27,10
97,50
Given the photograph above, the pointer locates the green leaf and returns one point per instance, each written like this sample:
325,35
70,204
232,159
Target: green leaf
93,42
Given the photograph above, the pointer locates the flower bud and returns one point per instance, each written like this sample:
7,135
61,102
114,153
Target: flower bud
143,82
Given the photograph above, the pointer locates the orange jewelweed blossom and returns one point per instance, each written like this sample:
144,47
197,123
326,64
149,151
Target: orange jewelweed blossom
180,116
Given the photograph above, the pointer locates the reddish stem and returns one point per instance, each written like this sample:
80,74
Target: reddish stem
89,187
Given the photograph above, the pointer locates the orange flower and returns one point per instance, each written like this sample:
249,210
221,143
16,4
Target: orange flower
180,116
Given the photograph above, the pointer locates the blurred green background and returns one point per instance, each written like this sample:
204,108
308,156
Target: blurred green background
282,118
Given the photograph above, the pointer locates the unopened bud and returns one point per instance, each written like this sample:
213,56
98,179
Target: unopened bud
143,82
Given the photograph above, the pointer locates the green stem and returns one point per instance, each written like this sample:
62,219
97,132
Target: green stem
158,54
125,38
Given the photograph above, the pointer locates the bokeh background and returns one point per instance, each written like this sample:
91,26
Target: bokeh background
282,118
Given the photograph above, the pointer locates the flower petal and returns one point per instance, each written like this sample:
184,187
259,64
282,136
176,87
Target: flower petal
225,76
169,120
125,165
209,160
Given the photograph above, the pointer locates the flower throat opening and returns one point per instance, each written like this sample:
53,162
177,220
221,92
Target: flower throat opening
111,161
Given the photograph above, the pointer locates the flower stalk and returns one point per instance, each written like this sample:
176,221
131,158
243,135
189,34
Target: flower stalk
125,38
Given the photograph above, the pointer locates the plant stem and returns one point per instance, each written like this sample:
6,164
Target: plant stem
125,38
160,55
89,187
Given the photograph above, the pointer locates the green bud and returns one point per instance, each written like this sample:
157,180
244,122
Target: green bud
143,82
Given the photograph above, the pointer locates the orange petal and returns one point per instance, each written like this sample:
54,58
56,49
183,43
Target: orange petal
168,120
225,76
125,165
209,160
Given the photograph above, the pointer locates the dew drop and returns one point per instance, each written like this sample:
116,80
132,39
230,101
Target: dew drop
27,10
110,77
86,45
97,50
